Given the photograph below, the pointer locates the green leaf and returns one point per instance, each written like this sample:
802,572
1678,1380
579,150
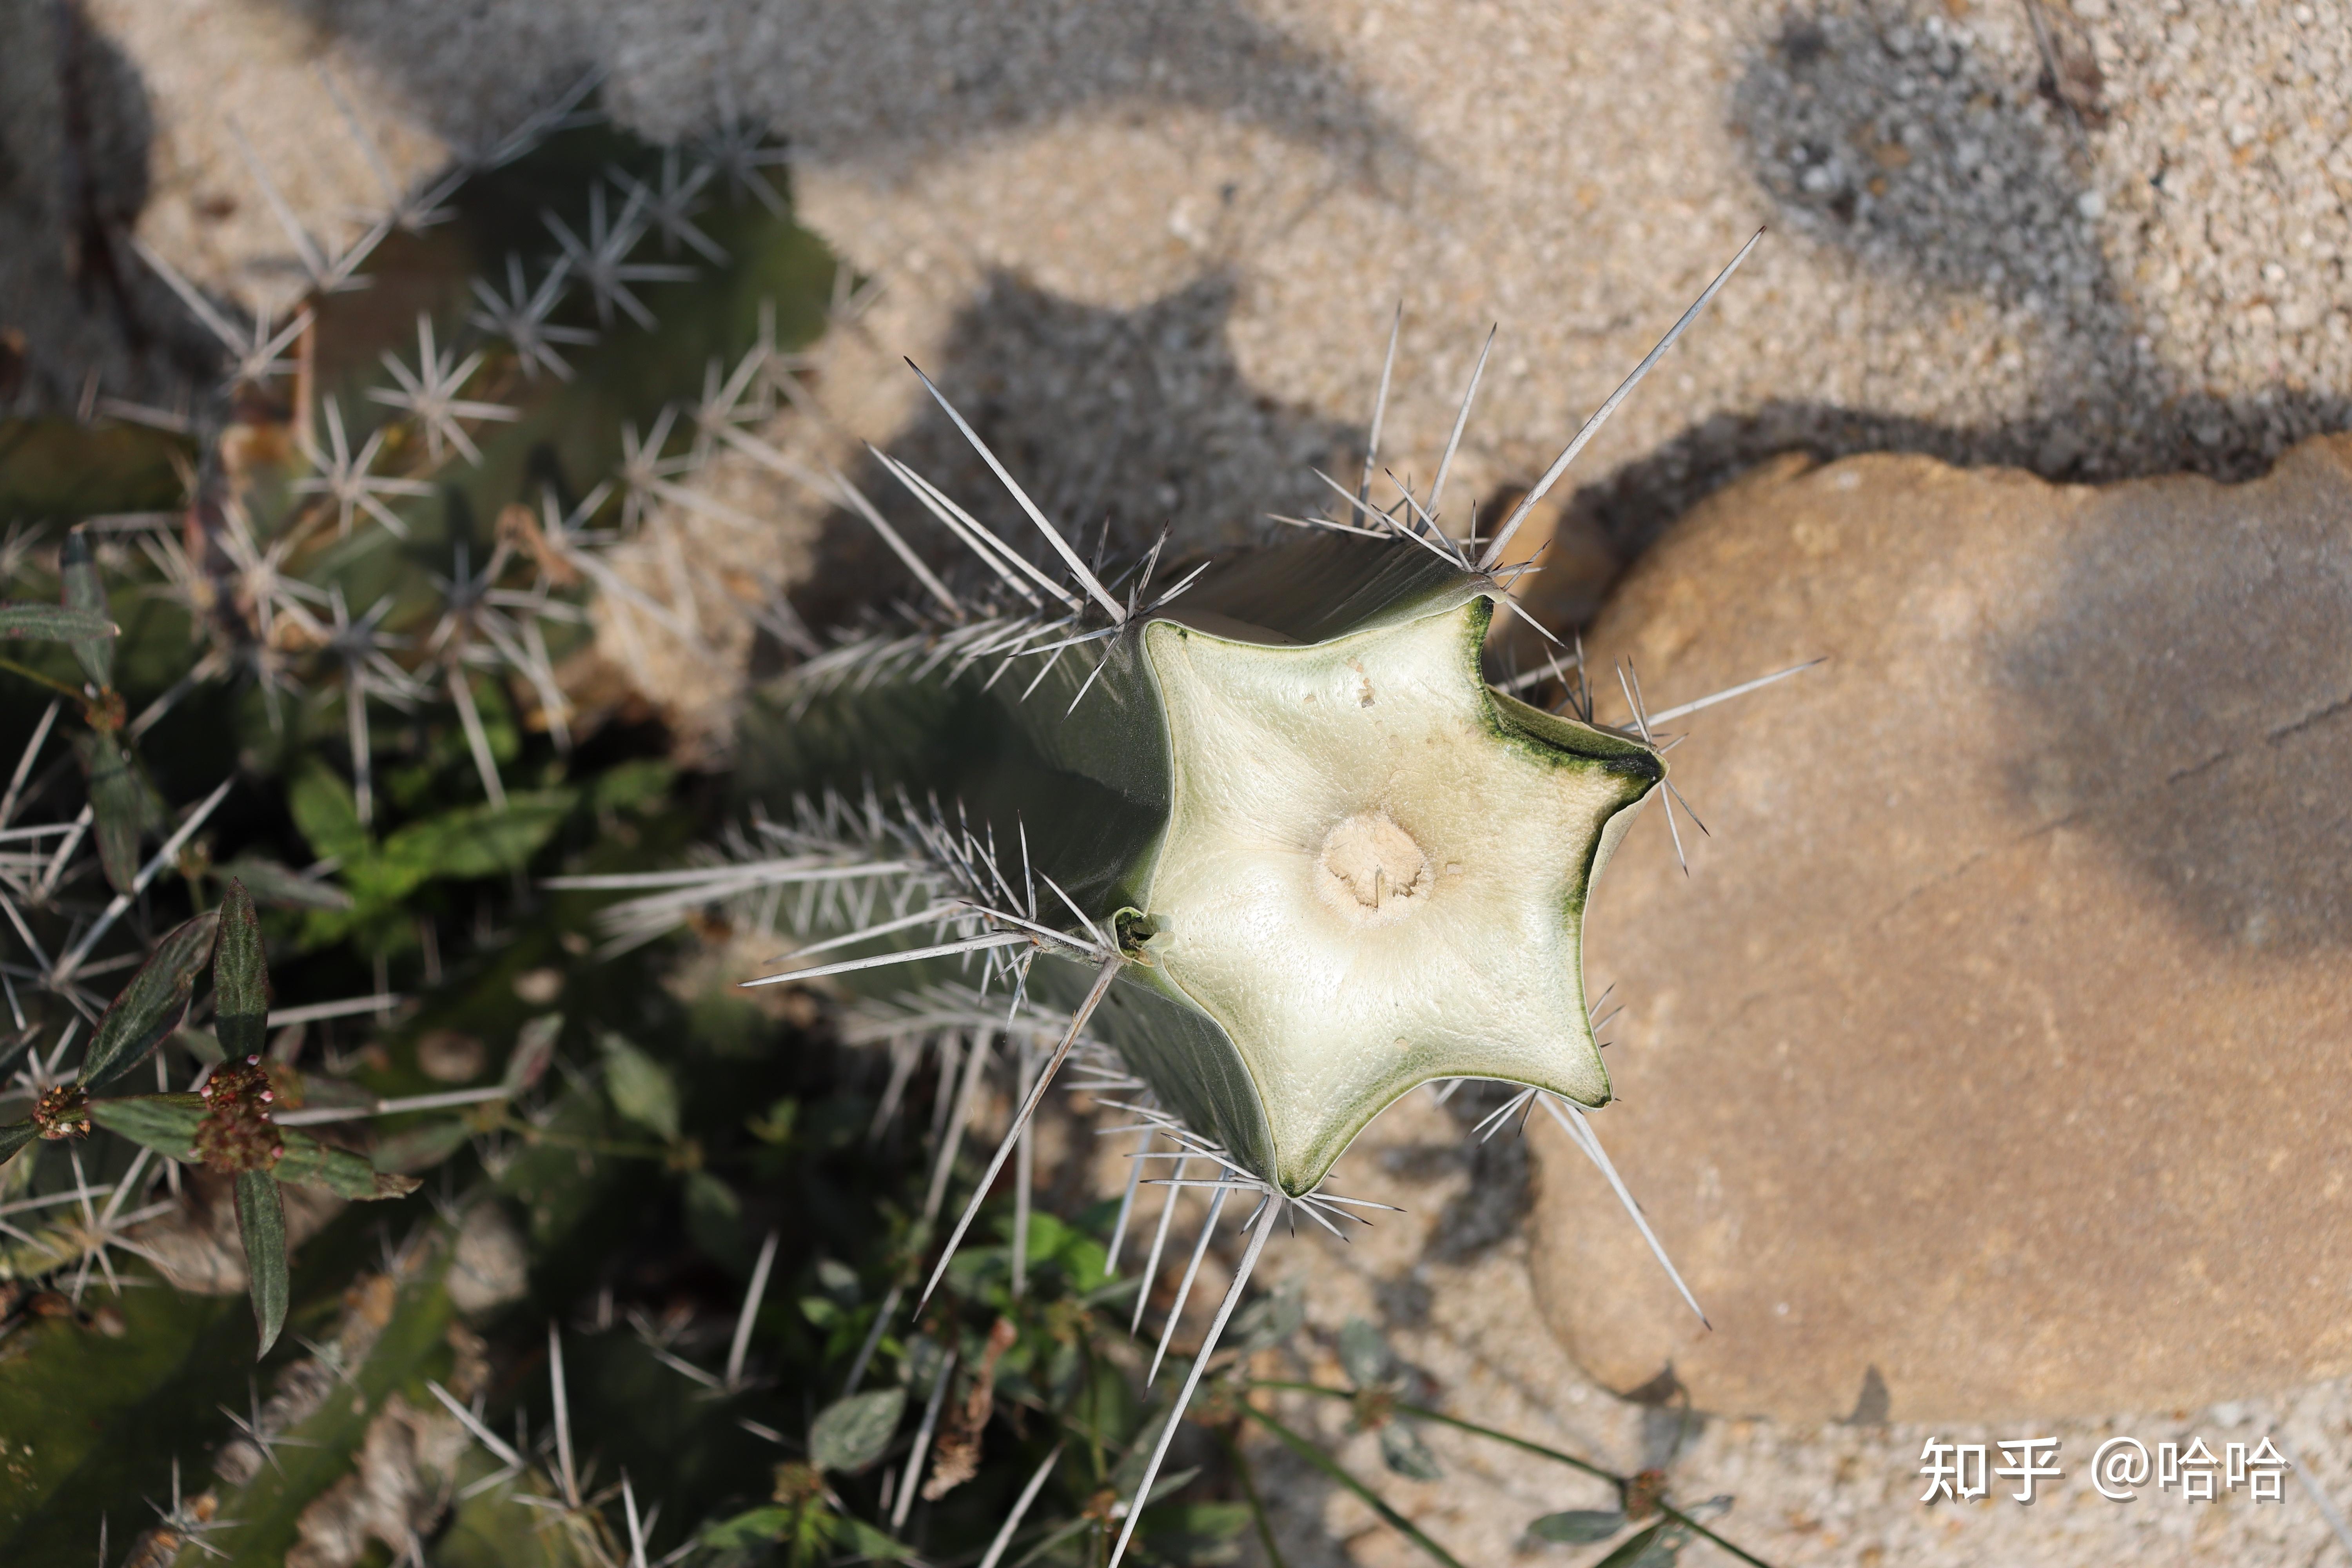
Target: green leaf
1053,1243
310,1163
54,621
776,1127
240,978
82,591
261,1224
640,1087
755,1527
163,1123
1363,1354
850,1433
1651,1549
328,815
479,840
1407,1454
14,1136
118,805
1080,1256
282,887
167,1124
714,1219
1578,1526
146,1011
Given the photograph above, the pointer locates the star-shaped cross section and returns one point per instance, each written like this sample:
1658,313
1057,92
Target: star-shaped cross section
1375,870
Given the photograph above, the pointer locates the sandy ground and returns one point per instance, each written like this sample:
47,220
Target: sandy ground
1220,203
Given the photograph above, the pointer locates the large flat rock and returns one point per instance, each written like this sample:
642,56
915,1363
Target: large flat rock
1997,1043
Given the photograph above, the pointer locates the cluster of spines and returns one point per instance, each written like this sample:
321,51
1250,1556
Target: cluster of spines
238,583
249,584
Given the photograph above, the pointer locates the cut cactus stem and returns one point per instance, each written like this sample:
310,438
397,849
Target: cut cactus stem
1329,861
1312,858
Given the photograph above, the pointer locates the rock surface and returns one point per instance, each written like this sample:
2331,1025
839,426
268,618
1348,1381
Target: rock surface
1990,1063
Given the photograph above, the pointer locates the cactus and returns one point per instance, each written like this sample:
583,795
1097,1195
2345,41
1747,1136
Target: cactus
549,1256
1264,832
310,491
1329,862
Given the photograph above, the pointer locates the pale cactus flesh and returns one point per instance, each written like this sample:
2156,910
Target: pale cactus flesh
1339,864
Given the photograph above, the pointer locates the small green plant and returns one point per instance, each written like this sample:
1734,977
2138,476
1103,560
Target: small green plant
229,1123
1659,1527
